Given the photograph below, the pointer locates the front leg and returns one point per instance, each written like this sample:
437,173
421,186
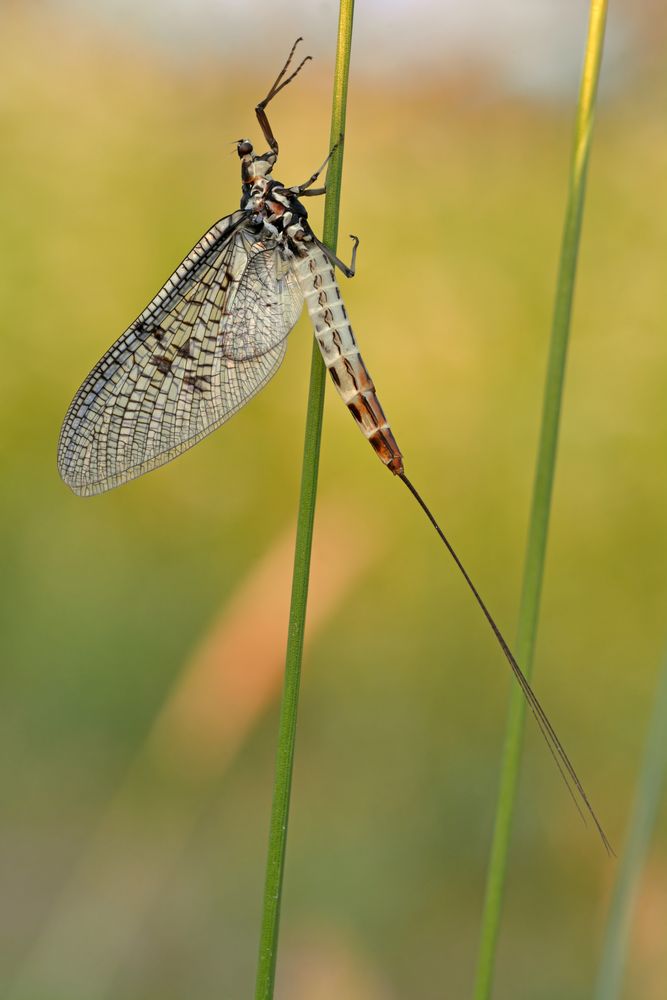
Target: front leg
260,110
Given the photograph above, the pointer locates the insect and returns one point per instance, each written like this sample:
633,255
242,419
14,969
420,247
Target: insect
215,334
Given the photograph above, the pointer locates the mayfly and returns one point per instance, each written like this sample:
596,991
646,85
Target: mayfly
215,334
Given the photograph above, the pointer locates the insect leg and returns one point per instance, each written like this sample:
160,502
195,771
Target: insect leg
349,272
260,110
302,189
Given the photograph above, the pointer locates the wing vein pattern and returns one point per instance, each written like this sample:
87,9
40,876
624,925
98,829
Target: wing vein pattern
211,338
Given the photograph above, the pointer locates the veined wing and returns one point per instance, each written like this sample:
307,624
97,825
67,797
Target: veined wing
269,300
207,343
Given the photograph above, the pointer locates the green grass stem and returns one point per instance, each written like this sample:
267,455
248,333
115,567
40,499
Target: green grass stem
541,504
266,968
647,800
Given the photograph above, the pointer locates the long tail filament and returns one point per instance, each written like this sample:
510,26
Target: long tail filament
567,772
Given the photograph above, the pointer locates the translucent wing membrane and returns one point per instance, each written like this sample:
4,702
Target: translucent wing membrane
268,308
207,343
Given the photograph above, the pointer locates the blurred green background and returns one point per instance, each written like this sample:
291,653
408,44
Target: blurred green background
133,867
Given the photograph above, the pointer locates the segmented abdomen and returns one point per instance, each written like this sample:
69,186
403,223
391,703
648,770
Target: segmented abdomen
341,355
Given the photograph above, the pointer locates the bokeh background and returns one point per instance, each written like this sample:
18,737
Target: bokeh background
143,631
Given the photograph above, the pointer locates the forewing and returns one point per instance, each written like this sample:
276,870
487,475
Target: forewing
197,353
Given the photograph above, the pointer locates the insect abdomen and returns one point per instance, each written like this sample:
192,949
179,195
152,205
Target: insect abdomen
341,355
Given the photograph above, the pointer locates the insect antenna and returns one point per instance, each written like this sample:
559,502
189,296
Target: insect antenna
563,763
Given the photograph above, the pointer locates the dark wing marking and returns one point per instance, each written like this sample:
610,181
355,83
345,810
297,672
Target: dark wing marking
201,349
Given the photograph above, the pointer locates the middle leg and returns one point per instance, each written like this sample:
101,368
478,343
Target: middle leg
301,190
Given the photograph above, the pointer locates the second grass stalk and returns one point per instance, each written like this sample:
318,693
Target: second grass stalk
542,493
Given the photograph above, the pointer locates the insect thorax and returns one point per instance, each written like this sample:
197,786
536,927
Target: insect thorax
269,202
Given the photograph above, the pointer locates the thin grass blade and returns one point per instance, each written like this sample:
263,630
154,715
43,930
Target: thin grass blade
647,801
266,968
542,494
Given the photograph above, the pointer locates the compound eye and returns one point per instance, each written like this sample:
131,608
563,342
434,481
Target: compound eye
244,148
